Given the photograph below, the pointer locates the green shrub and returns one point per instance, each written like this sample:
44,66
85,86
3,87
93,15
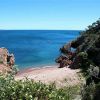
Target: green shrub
91,92
83,55
30,90
88,92
83,60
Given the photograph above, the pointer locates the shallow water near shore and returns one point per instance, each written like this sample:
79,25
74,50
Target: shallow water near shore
35,48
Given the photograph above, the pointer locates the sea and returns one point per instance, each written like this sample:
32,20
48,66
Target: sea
36,48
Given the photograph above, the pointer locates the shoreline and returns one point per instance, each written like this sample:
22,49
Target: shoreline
28,69
50,74
37,66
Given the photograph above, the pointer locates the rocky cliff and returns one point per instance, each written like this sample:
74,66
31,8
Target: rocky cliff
6,61
86,49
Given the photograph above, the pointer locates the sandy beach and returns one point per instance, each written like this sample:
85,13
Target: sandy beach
50,74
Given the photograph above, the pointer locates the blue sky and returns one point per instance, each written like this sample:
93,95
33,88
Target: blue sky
48,14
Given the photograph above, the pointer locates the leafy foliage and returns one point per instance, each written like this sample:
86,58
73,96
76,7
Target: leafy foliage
83,55
30,90
91,92
83,60
88,92
94,28
88,47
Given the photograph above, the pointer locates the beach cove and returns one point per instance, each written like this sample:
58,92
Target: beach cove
38,62
52,74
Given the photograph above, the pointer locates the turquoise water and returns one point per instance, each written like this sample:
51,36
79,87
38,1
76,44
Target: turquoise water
33,48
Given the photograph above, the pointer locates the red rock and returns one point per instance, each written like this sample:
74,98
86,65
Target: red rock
6,61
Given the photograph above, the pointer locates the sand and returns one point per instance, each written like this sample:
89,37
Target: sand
49,74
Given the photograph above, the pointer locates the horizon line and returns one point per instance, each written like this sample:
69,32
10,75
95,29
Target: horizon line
44,29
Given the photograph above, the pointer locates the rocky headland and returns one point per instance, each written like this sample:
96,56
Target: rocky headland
84,50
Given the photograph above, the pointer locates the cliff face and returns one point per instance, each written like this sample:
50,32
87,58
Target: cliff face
6,61
86,48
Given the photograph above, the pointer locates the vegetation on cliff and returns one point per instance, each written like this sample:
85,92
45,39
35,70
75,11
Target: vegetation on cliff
86,54
89,42
86,48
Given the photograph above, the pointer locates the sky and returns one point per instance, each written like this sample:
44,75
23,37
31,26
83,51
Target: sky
48,14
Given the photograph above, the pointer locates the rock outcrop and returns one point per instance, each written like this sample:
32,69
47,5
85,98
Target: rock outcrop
6,61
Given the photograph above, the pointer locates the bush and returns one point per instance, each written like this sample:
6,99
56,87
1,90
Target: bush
88,92
91,92
83,55
30,90
83,60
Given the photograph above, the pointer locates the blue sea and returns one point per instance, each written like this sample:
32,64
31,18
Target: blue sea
35,48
